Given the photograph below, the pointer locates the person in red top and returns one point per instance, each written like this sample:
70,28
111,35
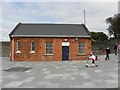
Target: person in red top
93,58
96,58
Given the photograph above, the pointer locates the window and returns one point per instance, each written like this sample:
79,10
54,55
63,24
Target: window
49,48
81,48
32,46
18,45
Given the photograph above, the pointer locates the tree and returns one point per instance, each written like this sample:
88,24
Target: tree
114,25
99,36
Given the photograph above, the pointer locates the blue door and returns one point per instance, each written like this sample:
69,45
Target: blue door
65,53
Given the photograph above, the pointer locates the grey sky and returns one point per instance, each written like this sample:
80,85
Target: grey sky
56,12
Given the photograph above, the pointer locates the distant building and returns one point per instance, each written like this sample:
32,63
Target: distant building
49,42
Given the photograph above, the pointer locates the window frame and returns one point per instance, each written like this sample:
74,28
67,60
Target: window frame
82,48
51,48
32,45
18,45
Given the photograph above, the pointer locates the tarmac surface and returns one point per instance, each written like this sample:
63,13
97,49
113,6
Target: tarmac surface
64,74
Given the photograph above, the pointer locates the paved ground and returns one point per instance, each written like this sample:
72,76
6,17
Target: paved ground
71,74
0,73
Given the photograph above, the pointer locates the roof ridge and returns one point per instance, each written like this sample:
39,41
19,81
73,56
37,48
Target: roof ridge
51,24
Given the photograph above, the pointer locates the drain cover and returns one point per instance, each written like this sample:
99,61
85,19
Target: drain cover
17,69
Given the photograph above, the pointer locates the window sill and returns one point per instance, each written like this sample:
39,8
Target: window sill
32,51
18,51
48,54
81,54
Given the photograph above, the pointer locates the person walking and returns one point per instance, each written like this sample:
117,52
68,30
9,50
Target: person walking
115,49
107,54
118,50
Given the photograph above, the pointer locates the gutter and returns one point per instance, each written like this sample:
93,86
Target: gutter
50,36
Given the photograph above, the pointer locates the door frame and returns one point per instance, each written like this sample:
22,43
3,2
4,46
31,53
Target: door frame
66,44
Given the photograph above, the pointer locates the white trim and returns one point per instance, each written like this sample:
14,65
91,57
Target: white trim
65,43
32,51
18,51
50,36
48,54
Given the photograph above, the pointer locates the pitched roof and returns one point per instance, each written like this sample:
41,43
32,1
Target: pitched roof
50,30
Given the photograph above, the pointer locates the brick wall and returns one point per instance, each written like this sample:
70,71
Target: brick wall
39,55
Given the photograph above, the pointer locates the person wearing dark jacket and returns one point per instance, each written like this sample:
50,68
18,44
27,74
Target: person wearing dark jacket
107,54
115,49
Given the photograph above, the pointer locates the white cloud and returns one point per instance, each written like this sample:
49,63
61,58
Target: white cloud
96,13
59,0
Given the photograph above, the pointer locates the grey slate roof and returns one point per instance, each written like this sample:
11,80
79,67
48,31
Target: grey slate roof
50,30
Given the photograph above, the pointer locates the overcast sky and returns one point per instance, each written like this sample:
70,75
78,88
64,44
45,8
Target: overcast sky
56,12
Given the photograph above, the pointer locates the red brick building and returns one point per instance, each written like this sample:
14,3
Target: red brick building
49,42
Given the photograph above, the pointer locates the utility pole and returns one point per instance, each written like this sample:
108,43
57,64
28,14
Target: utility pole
84,17
119,7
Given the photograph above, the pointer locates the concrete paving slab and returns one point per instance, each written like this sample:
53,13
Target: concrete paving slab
52,86
13,84
0,72
70,74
